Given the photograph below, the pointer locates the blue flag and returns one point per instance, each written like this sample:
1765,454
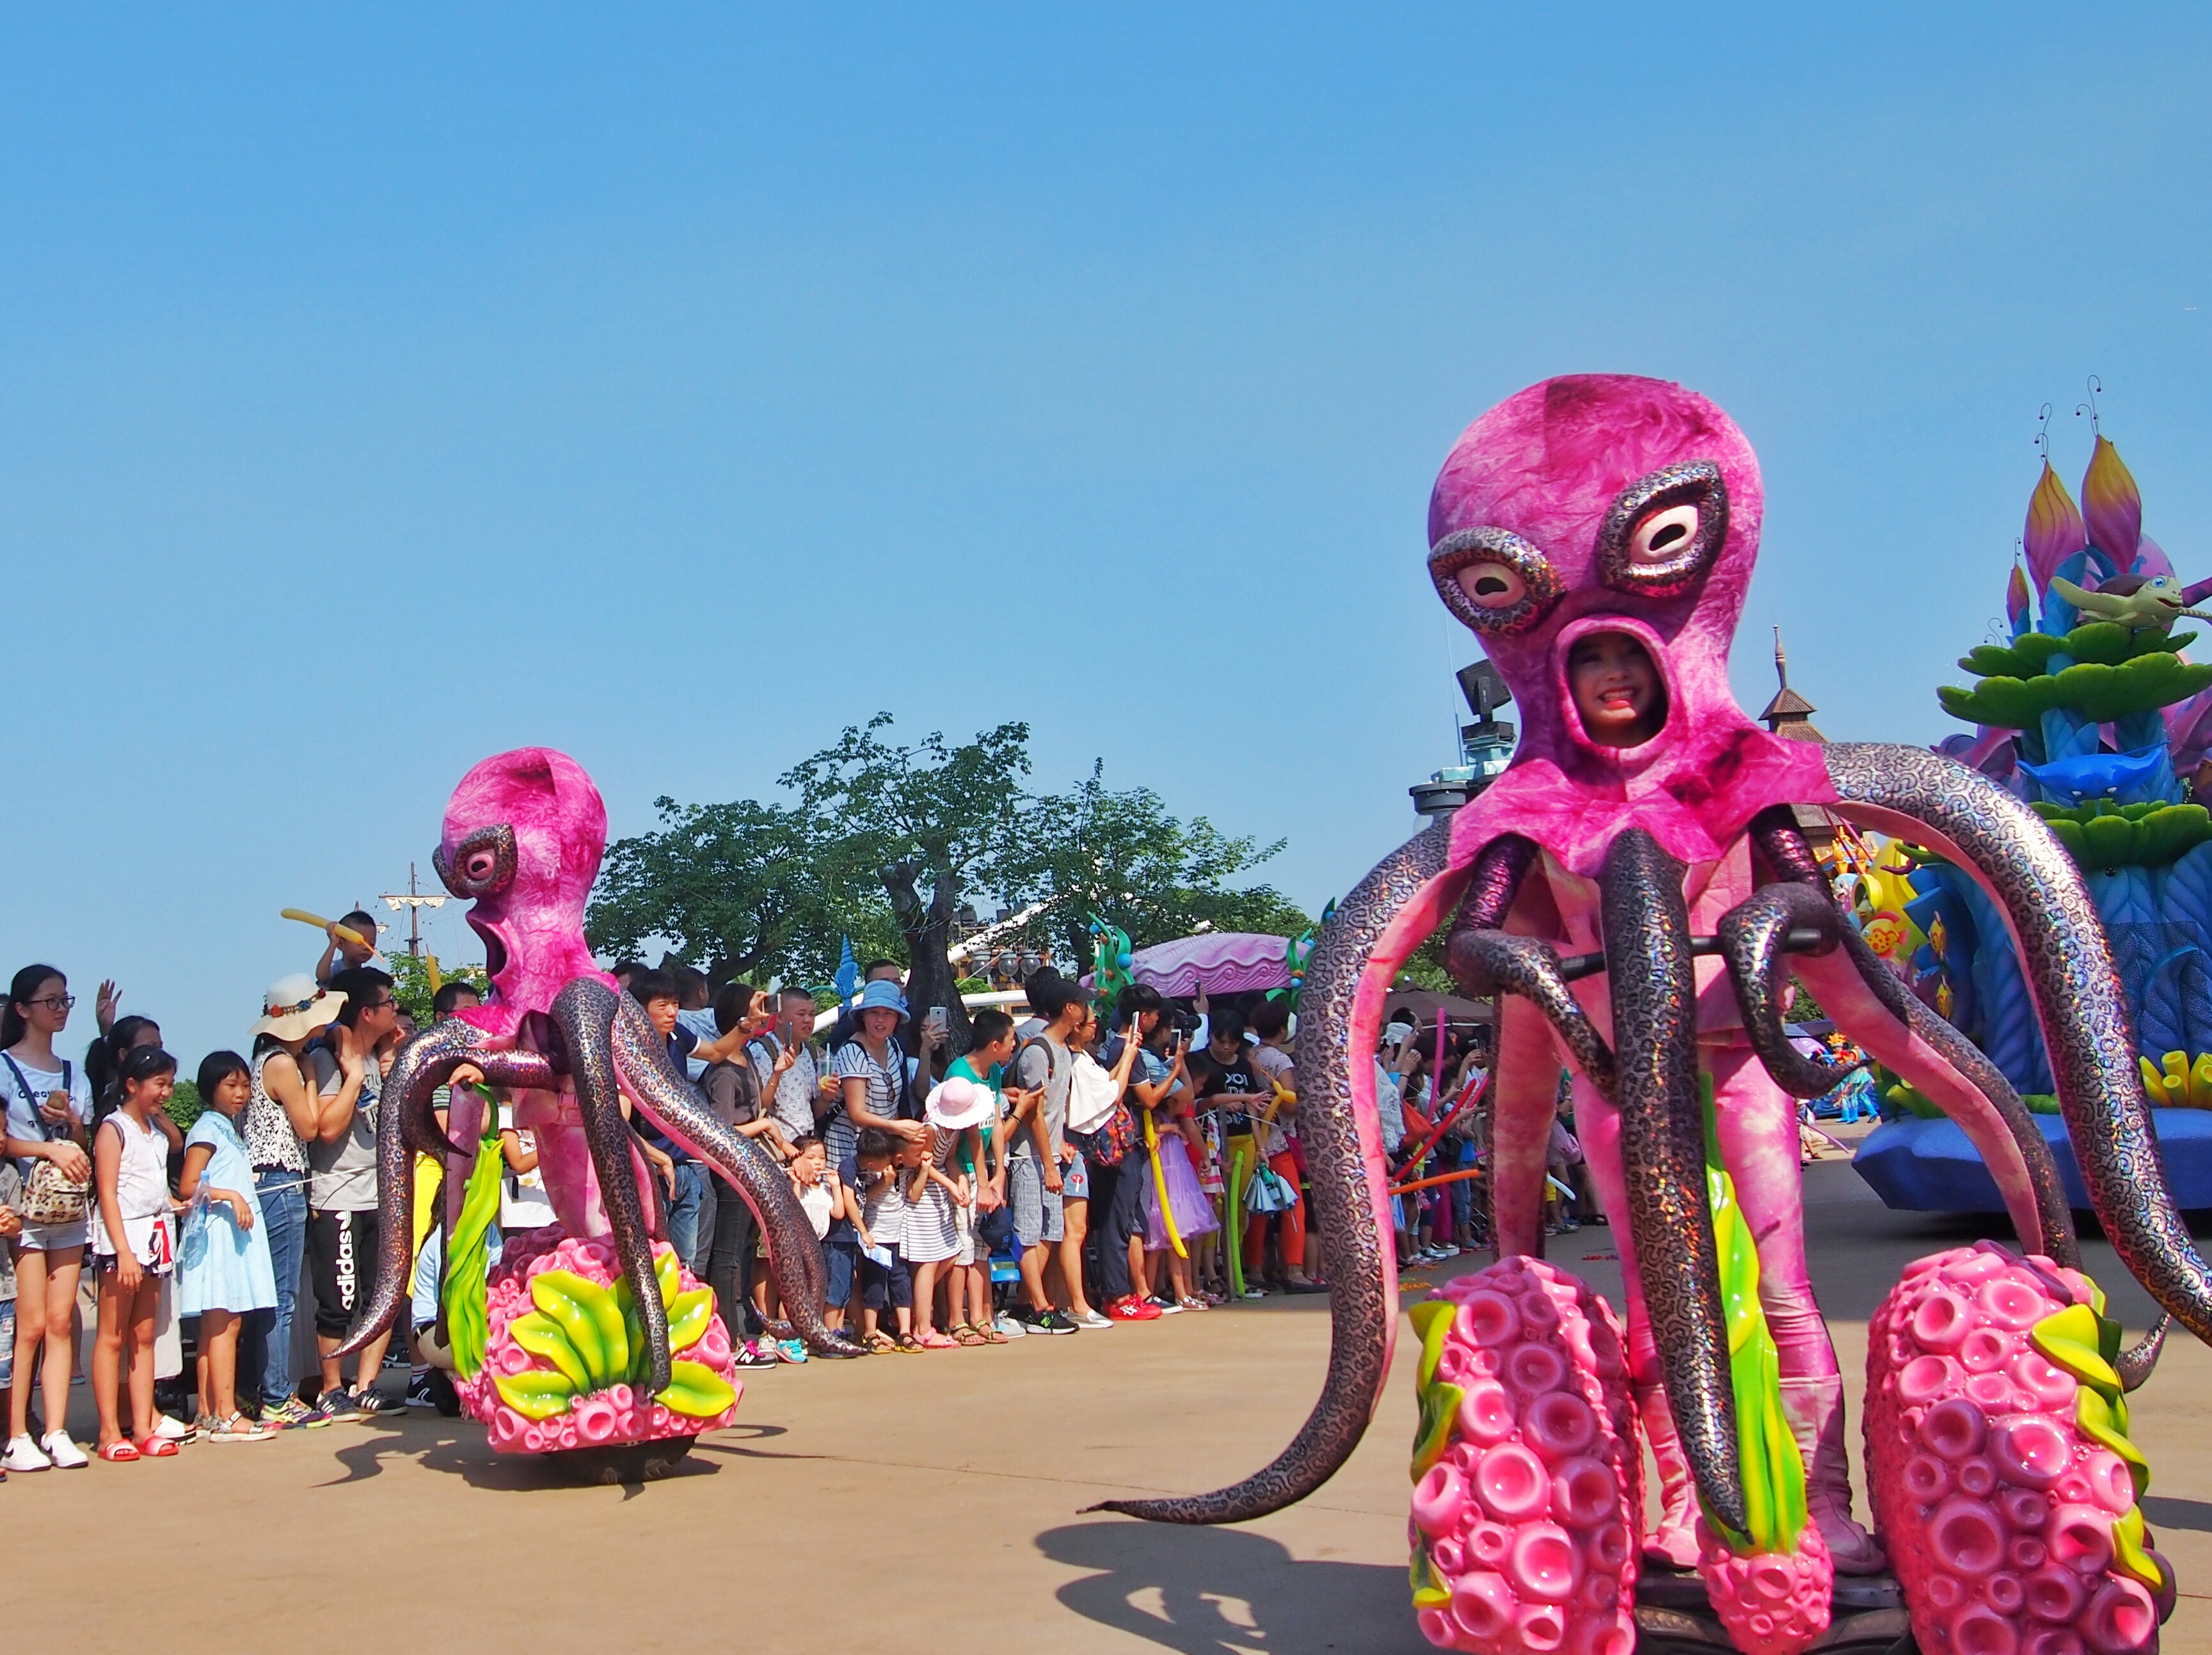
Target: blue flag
848,979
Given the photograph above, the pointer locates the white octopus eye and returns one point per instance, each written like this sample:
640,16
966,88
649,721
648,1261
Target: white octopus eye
479,865
1663,531
1492,585
1664,535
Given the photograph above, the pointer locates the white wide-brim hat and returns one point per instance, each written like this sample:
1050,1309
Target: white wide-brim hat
295,1007
958,1104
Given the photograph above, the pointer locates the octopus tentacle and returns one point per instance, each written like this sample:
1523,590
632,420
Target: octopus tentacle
673,1104
1997,1122
404,1128
1753,936
1355,955
586,1013
1650,972
2078,998
2135,1362
1499,962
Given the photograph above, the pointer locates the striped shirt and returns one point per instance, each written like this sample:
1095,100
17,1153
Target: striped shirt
886,1081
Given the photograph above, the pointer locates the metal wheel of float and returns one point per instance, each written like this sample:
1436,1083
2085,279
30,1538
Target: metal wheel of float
627,1462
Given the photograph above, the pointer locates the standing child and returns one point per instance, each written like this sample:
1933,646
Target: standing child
884,1278
134,1246
223,1270
938,1202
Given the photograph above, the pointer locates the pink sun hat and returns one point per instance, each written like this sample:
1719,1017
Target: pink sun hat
958,1104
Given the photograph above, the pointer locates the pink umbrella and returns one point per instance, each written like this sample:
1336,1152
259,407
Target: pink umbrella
1227,962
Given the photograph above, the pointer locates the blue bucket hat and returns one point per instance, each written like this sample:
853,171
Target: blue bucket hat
881,993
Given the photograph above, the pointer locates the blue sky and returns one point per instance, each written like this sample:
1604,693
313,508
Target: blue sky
380,393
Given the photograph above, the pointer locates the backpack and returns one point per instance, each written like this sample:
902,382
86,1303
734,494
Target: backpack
1107,1133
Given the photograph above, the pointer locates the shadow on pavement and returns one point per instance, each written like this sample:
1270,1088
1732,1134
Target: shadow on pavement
2164,1511
1210,1591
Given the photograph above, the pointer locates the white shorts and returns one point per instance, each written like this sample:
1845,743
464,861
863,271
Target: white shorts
52,1237
963,1231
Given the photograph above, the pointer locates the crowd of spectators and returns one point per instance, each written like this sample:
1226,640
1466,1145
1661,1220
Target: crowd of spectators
1076,1168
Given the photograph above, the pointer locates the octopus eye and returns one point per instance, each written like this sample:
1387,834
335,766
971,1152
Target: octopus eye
480,866
1492,585
1493,580
1663,533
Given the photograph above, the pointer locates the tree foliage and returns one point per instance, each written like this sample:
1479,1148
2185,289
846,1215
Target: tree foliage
883,841
410,985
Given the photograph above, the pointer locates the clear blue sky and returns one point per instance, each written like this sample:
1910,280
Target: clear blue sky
379,393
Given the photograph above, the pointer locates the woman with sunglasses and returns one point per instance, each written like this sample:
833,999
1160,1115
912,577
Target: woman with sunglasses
49,1103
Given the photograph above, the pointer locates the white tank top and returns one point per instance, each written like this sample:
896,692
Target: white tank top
141,1191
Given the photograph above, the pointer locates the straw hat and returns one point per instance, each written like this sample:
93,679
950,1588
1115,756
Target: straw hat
295,1007
958,1104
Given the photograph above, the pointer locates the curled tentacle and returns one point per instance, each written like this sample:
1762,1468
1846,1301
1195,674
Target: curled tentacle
419,1068
2078,998
1495,961
1650,974
586,1013
1754,935
673,1105
2136,1362
1355,955
2025,1170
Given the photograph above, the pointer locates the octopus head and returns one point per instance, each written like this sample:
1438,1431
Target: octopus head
1598,503
524,834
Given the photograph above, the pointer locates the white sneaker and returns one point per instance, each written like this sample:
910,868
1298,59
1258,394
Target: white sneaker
174,1429
23,1455
1012,1328
65,1454
1091,1318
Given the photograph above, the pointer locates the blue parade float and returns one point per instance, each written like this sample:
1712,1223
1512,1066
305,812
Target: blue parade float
2093,715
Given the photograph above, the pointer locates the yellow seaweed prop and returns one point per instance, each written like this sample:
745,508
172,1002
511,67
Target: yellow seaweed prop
1773,1472
1160,1187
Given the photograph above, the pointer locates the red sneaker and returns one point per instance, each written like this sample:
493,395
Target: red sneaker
1133,1309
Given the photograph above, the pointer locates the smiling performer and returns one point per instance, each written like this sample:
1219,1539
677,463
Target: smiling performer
1635,892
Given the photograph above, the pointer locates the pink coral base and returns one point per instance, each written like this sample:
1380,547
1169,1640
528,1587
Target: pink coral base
1998,1512
610,1418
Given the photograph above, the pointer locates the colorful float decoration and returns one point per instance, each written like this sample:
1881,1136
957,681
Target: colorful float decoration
2092,713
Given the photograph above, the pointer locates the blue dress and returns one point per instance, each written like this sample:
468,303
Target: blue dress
221,1267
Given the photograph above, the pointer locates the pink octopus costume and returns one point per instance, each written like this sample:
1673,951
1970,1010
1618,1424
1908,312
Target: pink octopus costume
1636,912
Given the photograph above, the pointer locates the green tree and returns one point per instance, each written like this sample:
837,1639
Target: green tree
410,985
1123,855
926,812
728,887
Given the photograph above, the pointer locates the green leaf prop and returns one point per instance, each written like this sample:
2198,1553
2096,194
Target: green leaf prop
468,1325
2102,835
1773,1473
697,1391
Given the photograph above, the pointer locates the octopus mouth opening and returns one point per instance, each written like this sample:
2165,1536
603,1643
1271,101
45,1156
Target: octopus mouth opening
495,949
1653,699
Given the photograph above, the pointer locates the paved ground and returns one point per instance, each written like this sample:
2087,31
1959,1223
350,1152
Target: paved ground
924,1503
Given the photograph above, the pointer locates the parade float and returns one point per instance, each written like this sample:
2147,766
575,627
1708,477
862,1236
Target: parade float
2088,708
1636,906
587,1342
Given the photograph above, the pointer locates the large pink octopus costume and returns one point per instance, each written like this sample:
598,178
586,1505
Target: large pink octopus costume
1674,880
523,838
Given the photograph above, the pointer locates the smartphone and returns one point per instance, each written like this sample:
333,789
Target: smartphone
938,1018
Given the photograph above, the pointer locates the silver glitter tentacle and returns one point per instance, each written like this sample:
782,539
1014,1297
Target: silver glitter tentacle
1751,937
1356,1255
2049,1227
1650,973
586,1012
675,1105
404,1127
2068,967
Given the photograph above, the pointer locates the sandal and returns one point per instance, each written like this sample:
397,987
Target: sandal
907,1345
156,1448
986,1333
117,1452
967,1337
933,1340
878,1342
1194,1302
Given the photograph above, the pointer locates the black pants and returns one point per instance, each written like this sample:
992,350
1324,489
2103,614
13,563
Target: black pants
730,1262
342,1263
1117,1193
893,1280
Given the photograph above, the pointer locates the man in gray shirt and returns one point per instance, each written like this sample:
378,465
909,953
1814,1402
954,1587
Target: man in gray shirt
341,1222
1034,1162
795,1098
